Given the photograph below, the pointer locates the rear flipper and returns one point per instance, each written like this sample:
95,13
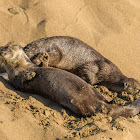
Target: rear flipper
126,111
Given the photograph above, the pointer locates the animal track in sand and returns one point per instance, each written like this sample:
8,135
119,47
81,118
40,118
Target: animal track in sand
13,11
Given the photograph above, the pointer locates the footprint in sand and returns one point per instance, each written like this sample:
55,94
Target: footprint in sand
13,11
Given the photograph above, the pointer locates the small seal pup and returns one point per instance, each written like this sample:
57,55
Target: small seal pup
77,57
59,85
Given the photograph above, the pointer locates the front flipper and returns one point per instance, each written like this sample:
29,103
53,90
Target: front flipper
41,59
23,77
55,55
28,76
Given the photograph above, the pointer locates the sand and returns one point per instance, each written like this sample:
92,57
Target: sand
109,26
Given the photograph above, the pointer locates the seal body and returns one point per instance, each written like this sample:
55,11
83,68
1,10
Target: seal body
77,57
61,86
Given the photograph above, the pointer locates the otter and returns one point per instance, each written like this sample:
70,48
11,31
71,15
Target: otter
59,85
77,57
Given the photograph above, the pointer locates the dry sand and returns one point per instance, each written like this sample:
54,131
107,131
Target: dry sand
109,26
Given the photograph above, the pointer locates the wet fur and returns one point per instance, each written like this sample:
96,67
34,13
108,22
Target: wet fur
61,86
77,57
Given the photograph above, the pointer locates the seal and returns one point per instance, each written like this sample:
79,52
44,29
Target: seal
59,85
77,57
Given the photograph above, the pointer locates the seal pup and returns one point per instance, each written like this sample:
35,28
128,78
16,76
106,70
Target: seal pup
61,86
77,57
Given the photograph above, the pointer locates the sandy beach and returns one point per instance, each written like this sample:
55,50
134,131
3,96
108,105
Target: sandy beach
111,27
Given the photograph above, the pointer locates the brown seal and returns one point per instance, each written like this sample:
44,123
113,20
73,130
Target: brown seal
59,85
75,56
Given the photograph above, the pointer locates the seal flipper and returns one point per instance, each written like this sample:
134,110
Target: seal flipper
28,76
88,72
126,111
41,59
56,55
21,78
